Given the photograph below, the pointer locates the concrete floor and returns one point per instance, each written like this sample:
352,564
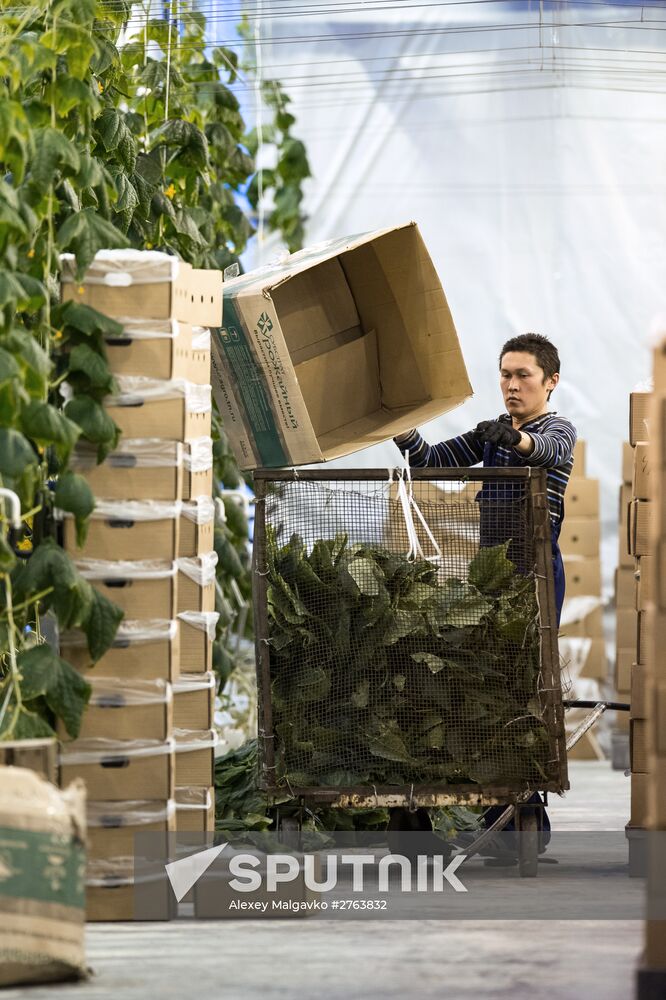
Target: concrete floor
249,960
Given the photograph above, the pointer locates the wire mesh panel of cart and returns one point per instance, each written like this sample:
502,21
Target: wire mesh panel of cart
406,635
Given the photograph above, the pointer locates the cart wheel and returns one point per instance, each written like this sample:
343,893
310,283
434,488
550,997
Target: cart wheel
527,827
289,831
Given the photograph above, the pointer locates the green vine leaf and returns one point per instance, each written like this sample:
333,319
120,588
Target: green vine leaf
101,625
46,425
65,691
95,423
73,494
15,453
53,152
85,233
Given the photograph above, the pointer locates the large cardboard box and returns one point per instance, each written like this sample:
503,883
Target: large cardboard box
639,417
657,792
626,629
580,536
644,592
643,638
164,349
196,583
119,709
348,344
195,756
625,558
120,769
625,587
112,826
638,691
42,832
142,588
143,468
197,525
583,575
197,632
144,284
195,809
596,662
624,661
627,463
638,745
639,799
110,892
151,408
194,701
639,537
38,755
142,650
197,468
641,483
128,530
582,498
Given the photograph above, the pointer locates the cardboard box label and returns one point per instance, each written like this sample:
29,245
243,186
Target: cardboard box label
244,371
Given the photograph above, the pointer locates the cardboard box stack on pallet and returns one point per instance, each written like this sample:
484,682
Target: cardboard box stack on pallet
145,749
582,645
648,780
632,593
625,612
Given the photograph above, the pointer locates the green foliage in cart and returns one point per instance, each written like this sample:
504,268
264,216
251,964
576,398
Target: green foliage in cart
381,672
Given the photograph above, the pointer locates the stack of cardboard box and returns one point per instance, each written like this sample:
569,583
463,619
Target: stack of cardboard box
148,728
632,592
648,724
581,628
625,611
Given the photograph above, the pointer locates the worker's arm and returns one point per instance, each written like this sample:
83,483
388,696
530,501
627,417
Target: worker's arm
551,447
461,451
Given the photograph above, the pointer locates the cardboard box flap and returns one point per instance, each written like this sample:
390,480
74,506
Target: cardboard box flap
98,750
314,306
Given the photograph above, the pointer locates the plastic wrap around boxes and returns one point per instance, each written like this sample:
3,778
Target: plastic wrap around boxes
341,347
581,641
146,745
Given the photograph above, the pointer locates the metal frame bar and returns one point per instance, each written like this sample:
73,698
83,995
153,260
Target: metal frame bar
545,585
362,475
266,741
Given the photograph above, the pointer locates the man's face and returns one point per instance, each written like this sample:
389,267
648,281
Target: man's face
523,386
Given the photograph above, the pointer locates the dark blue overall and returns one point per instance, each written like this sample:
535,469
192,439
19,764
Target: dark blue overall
499,510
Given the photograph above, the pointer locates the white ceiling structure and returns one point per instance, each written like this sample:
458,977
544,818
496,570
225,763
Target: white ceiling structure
528,141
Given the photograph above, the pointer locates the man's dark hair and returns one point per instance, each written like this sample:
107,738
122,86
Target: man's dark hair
535,343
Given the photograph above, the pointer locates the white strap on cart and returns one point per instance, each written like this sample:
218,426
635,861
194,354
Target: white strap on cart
410,508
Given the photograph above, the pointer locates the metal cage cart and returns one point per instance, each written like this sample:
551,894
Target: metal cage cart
406,640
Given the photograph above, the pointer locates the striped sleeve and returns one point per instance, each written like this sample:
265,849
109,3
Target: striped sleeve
553,445
461,451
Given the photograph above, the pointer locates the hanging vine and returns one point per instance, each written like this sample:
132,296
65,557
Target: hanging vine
116,130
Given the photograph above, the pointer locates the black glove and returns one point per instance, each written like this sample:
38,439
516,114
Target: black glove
497,432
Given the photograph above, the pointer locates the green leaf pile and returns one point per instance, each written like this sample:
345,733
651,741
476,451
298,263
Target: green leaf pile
383,674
